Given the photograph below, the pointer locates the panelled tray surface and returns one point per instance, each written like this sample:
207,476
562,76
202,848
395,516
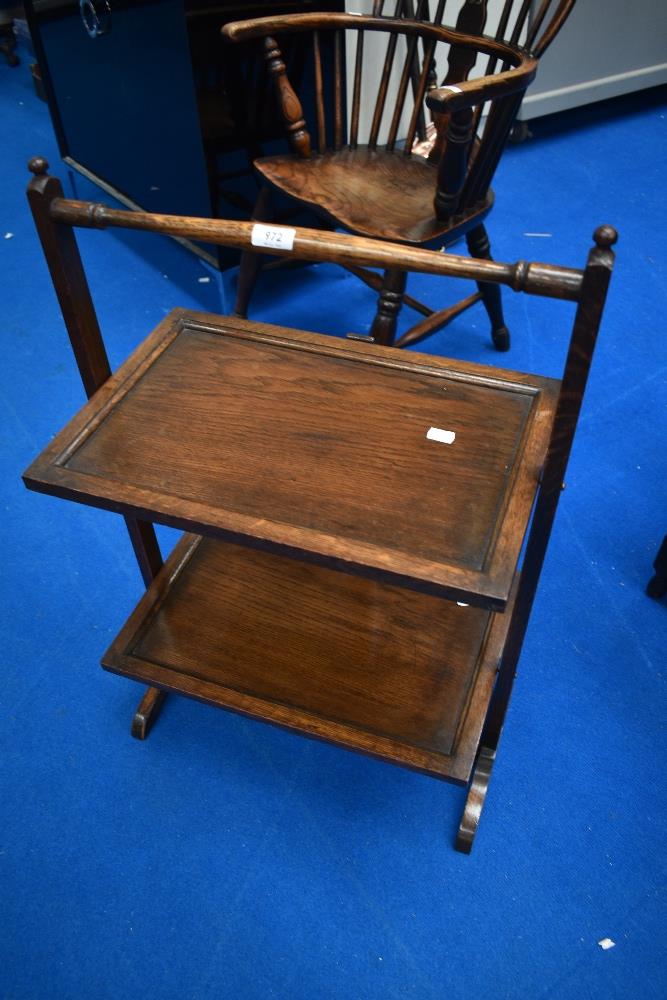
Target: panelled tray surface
403,676
305,445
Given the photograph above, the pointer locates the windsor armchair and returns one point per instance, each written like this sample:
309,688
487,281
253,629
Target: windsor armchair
365,177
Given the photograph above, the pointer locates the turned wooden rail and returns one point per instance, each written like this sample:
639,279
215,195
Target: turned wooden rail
314,245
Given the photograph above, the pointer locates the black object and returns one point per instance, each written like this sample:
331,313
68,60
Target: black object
145,99
657,585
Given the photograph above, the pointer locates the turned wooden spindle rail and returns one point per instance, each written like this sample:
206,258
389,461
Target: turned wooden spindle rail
314,245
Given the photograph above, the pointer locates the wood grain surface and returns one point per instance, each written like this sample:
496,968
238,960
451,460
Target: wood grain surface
402,676
317,445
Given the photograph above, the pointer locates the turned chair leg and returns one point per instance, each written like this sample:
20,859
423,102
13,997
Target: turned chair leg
251,262
479,247
390,301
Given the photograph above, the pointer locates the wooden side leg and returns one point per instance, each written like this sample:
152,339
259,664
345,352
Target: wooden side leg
477,789
147,712
390,301
147,551
480,248
251,262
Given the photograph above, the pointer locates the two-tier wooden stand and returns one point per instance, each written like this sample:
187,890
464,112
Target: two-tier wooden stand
354,515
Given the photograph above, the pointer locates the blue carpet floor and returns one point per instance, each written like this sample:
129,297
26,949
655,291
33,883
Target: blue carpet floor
226,859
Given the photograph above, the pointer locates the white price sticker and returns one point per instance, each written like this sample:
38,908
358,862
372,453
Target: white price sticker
438,434
276,237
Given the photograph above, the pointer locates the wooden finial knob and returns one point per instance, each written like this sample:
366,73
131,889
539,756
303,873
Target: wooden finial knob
605,237
38,166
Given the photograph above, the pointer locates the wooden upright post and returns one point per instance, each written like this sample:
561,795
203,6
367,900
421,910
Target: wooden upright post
575,376
76,304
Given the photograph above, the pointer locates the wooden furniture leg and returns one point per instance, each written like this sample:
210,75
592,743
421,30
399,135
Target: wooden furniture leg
475,799
480,247
147,712
577,366
148,555
482,644
71,287
383,330
251,262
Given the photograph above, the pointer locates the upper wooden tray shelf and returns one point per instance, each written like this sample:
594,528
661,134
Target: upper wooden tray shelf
316,447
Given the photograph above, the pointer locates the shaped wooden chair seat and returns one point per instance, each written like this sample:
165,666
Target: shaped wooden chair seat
362,175
371,192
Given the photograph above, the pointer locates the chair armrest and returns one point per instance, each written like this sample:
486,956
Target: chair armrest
468,93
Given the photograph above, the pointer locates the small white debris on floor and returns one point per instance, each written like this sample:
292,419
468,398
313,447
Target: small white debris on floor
203,281
154,187
9,236
606,944
543,236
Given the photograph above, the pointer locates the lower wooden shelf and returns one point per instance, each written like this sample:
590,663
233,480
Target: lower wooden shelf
399,675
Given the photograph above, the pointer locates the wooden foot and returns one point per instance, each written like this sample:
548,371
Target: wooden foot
147,713
475,800
480,248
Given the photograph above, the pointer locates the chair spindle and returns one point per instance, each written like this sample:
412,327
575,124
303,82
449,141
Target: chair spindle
382,92
560,16
406,75
536,23
319,94
520,21
338,89
498,127
356,91
425,77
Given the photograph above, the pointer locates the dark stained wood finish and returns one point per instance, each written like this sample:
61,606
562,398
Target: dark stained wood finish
69,279
515,16
317,446
343,659
76,304
535,278
390,193
299,390
371,192
577,367
475,799
147,713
